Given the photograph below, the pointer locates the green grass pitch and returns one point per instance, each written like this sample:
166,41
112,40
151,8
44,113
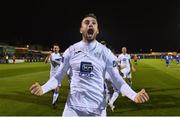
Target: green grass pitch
161,83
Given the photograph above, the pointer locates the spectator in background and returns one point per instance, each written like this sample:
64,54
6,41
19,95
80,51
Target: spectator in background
14,58
7,59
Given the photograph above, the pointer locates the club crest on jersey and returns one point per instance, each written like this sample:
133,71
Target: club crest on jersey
85,69
115,64
97,54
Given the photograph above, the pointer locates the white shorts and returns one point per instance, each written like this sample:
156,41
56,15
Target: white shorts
69,111
126,72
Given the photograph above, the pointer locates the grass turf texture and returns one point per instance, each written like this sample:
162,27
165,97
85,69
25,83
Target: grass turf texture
162,84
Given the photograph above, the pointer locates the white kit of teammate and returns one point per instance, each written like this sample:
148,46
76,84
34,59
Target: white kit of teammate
55,60
124,60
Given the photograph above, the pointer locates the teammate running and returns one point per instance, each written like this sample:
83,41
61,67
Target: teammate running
55,59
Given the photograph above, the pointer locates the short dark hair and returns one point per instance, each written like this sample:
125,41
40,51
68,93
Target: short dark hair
55,44
91,15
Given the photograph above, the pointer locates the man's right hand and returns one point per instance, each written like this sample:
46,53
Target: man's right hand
36,89
141,97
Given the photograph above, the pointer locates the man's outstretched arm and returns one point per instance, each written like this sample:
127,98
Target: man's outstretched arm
120,84
53,82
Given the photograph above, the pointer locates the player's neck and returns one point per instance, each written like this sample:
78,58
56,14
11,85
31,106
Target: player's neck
88,41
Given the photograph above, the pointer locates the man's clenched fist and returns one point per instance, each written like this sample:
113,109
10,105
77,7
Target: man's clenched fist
36,89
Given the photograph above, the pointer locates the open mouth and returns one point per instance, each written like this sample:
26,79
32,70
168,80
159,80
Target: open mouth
90,32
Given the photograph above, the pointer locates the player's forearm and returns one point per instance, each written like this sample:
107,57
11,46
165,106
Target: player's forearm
50,85
117,80
128,92
56,79
46,60
120,84
61,73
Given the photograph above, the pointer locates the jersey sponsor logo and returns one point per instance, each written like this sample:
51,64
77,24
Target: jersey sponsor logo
59,59
85,69
124,59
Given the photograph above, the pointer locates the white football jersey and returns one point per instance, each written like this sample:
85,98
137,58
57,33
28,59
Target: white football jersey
55,62
89,62
107,76
124,60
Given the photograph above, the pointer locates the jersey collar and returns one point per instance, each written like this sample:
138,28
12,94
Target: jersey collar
88,46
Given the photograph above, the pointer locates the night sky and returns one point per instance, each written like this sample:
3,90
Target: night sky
140,25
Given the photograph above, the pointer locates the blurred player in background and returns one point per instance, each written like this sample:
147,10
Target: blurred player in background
125,61
171,57
167,60
55,60
126,68
177,59
139,57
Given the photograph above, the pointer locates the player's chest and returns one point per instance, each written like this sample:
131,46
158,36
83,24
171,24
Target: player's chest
124,59
87,61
